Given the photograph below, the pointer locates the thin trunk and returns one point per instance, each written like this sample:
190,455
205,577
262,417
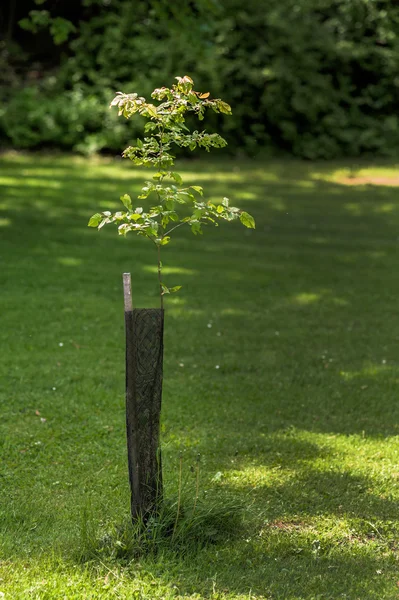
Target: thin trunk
160,276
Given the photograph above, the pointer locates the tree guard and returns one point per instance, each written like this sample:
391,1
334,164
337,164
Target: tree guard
144,369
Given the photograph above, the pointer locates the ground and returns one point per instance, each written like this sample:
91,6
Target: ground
281,370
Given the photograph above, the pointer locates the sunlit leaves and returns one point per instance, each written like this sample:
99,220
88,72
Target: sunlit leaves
129,104
165,127
247,220
151,110
196,227
95,220
177,177
166,290
164,240
127,201
223,107
198,189
146,190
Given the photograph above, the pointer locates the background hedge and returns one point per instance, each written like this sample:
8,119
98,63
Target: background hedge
315,78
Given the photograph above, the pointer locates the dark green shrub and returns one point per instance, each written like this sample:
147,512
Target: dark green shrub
316,78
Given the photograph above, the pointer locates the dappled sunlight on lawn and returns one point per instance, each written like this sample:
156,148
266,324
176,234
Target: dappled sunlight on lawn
69,261
305,298
168,270
370,371
280,370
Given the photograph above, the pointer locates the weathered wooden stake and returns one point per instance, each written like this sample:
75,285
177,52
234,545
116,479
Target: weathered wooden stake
144,358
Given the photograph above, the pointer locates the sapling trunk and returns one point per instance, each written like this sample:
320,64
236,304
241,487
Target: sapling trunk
160,276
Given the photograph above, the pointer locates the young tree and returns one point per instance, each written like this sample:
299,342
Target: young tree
166,127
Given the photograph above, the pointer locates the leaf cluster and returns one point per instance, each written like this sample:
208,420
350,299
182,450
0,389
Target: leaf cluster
174,204
59,28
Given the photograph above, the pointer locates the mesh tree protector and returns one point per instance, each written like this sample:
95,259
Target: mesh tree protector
144,370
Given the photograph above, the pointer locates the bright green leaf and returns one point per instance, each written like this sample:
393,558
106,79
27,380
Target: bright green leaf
95,220
152,110
177,177
247,220
127,201
196,228
198,189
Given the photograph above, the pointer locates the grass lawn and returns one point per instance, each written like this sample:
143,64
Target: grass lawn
281,370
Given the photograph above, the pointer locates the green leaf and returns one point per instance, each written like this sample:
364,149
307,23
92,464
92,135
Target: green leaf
95,220
220,208
225,201
224,107
104,222
152,110
150,126
165,240
127,201
196,228
247,220
27,25
123,229
177,177
176,288
60,29
165,289
151,231
198,189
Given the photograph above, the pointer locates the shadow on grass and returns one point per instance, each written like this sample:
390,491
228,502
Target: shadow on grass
311,493
317,272
306,309
282,559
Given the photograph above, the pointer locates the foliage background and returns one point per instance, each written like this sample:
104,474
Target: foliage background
316,78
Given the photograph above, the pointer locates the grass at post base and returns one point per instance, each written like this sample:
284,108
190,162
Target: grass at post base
183,533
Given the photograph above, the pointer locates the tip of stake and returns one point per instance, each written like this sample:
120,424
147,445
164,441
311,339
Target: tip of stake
127,292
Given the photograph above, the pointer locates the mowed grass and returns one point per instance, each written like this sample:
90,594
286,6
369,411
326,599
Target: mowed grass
281,370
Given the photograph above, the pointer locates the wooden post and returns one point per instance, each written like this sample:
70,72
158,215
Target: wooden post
144,358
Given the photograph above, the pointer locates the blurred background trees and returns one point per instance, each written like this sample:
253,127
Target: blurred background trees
314,78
